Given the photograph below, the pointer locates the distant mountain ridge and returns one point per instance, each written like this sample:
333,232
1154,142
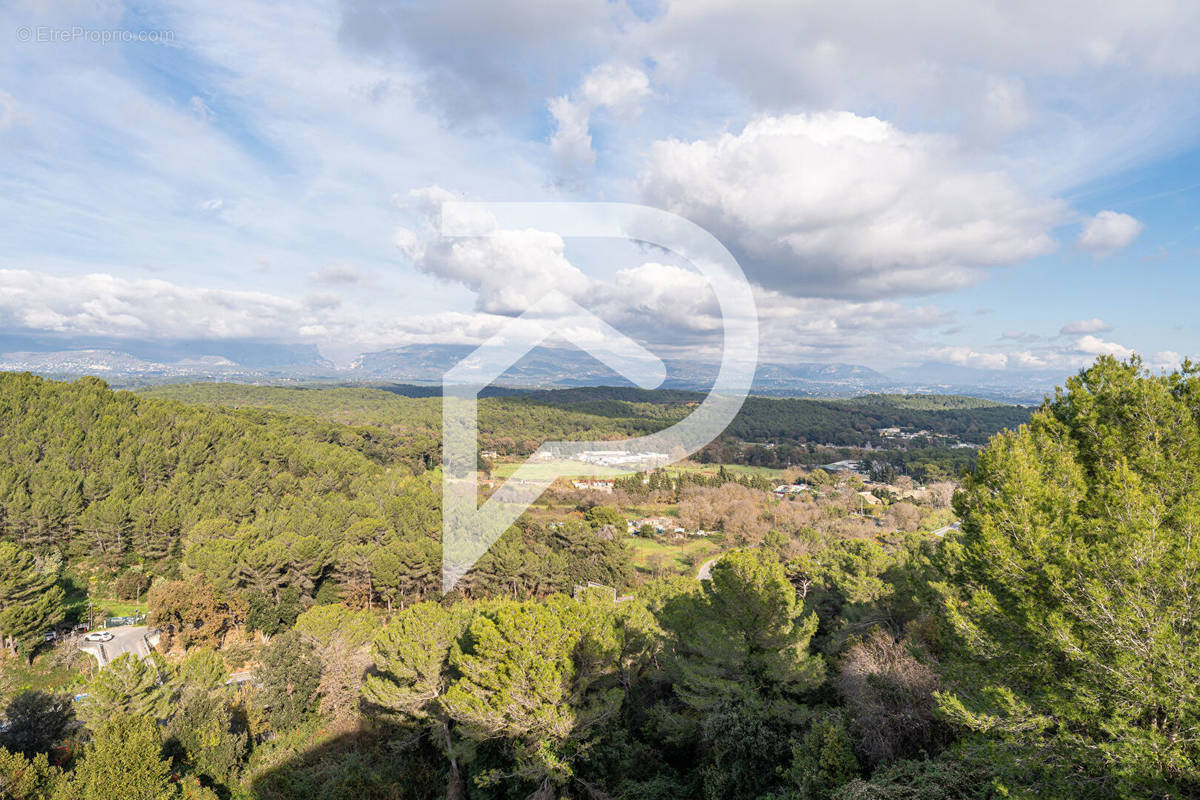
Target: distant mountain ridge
549,367
131,362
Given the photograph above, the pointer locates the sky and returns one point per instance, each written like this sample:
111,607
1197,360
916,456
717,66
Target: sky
1005,185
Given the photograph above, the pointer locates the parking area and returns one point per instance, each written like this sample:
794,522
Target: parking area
134,639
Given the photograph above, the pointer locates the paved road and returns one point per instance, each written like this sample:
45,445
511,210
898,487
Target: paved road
945,530
126,639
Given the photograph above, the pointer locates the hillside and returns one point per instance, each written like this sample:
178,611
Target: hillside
517,423
106,474
255,501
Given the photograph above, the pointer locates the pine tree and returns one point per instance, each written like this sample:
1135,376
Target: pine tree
35,722
412,673
30,601
131,685
28,778
542,677
124,761
745,639
1072,588
290,675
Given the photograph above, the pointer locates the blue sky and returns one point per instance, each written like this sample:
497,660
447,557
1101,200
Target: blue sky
999,185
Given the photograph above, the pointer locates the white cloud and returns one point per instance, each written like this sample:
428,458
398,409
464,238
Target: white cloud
615,87
1108,232
678,298
1078,354
571,142
836,204
1166,359
100,304
509,271
966,357
670,307
1095,346
1094,325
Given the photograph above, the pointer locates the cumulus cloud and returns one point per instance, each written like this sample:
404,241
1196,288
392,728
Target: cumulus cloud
678,298
835,204
615,87
1095,346
571,142
509,271
1077,354
963,356
101,304
1093,325
668,306
1166,359
1108,232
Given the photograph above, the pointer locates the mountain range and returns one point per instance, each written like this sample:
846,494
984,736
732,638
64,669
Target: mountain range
128,362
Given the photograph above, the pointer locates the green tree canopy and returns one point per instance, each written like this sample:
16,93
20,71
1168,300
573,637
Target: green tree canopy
30,600
1072,588
539,677
131,685
411,673
124,761
36,721
744,637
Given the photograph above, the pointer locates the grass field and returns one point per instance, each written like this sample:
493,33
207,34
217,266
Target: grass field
77,608
118,608
51,671
683,558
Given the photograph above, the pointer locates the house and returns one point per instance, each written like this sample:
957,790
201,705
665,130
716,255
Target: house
622,458
869,498
593,486
790,488
660,525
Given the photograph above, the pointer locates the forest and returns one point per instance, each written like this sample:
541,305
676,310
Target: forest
1043,649
769,431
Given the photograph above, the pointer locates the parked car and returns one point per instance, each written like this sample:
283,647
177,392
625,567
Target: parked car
50,636
98,636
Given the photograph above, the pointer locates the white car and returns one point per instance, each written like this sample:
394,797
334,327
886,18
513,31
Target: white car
98,636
